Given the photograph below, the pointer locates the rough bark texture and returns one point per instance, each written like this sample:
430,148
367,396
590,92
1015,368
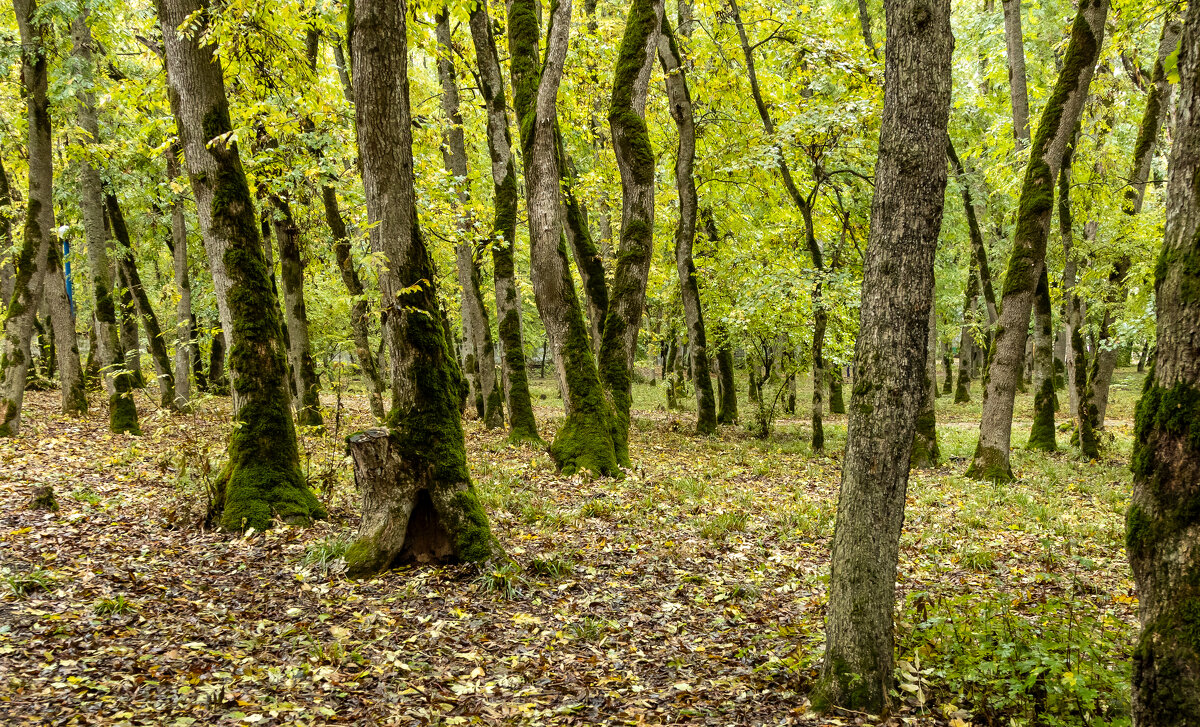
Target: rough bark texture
8,273
1018,91
890,356
585,439
131,342
66,341
476,324
521,422
424,444
262,480
39,222
1055,129
183,310
978,247
1041,436
1163,519
635,161
864,22
141,301
925,452
685,232
295,314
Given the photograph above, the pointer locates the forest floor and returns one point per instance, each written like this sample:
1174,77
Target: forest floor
692,591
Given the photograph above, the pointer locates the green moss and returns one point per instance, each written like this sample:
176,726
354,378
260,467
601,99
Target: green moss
630,133
925,451
1041,436
473,541
843,686
990,464
122,412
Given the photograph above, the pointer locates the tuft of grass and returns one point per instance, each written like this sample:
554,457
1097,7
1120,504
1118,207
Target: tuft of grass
597,507
724,523
977,560
23,584
590,628
86,494
325,555
116,606
503,580
555,567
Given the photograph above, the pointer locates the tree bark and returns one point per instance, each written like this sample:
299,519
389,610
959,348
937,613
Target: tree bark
8,272
585,439
1055,129
1018,91
262,480
925,452
31,261
428,473
978,247
1041,436
521,422
141,301
295,315
183,310
131,342
476,324
727,404
685,232
218,382
1163,519
864,22
890,356
966,341
66,340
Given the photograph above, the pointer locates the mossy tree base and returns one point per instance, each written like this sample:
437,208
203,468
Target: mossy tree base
990,465
585,442
122,414
408,516
1041,436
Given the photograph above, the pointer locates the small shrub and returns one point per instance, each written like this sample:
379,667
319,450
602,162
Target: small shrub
590,628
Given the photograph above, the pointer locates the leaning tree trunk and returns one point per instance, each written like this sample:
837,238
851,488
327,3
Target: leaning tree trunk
1163,519
635,161
66,341
418,500
1041,436
184,332
1158,102
521,422
262,480
978,247
476,323
1055,129
300,360
925,452
154,336
589,260
890,356
585,439
685,232
39,222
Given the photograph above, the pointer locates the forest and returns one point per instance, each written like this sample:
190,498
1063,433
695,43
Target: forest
718,362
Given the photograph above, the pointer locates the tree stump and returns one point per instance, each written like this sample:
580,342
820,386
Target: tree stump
44,499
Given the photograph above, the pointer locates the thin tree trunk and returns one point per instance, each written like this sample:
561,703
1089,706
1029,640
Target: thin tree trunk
685,232
1018,91
864,22
1055,129
141,301
925,452
31,261
978,247
300,360
8,271
427,476
66,340
588,259
585,439
476,323
515,378
1163,520
131,342
184,332
1041,436
262,480
217,380
727,404
890,356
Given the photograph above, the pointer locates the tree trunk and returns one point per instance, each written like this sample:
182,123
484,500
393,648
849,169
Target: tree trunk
837,402
925,452
1055,129
864,21
1041,436
217,381
1018,90
948,369
588,259
685,233
184,332
31,260
521,422
131,343
300,360
141,301
1163,519
66,340
476,324
890,356
197,359
262,480
8,271
421,501
585,439
978,247
727,404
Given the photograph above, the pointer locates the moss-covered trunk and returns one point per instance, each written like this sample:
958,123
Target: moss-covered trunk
127,323
685,232
1163,519
589,259
218,381
521,422
891,357
1056,128
262,480
39,221
141,301
1041,436
424,444
300,360
585,439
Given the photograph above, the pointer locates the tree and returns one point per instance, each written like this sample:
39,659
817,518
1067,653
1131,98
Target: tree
1163,519
184,327
31,261
418,500
1055,128
295,314
889,356
262,480
585,439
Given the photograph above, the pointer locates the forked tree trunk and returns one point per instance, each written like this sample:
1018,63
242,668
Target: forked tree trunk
39,221
521,422
890,356
477,326
262,480
1041,436
585,439
417,493
141,301
635,161
685,232
1055,129
300,360
1163,519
